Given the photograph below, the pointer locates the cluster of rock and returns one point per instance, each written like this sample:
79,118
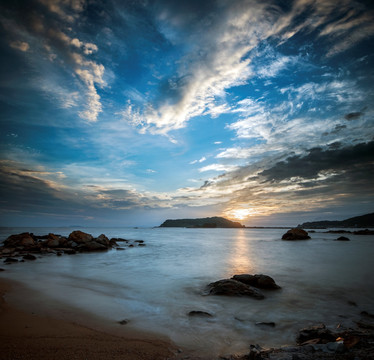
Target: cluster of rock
27,245
243,285
319,342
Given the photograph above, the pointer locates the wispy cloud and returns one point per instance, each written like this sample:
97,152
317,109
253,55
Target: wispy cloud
20,45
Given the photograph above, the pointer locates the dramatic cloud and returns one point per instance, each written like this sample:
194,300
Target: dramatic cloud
240,108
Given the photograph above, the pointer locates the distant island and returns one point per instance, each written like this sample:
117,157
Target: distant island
364,221
208,222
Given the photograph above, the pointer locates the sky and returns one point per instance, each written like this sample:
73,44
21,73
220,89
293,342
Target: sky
127,113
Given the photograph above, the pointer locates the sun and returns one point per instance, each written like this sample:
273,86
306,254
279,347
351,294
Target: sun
240,214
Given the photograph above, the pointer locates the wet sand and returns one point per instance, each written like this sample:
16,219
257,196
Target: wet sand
25,334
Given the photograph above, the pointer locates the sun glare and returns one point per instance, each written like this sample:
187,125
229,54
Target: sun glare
240,214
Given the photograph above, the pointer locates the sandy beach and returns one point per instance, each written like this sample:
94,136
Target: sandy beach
25,334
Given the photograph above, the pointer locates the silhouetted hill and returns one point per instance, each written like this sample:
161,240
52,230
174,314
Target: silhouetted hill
364,221
209,222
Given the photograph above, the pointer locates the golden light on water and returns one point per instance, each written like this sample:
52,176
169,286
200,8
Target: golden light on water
240,260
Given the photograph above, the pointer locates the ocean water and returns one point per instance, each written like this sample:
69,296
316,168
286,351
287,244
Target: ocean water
154,287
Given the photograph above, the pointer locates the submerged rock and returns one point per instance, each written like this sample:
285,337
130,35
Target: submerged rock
230,287
296,234
263,323
199,313
342,238
29,257
258,280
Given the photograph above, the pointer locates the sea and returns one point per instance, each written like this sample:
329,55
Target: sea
154,287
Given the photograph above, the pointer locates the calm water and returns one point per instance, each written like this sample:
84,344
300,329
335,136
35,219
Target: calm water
154,287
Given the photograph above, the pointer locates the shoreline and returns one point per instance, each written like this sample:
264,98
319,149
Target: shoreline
27,334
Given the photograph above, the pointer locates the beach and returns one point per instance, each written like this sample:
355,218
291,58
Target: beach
138,300
25,334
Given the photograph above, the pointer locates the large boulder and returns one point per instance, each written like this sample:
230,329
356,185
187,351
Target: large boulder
296,234
102,239
258,280
25,239
80,237
230,287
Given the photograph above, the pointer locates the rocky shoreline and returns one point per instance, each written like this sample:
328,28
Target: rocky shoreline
314,342
321,343
26,246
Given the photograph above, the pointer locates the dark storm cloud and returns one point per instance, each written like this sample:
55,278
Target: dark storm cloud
358,157
20,191
353,115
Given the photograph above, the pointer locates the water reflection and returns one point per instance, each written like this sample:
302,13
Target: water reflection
240,259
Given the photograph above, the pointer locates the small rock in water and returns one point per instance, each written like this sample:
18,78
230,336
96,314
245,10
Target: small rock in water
365,313
350,302
120,248
10,260
1,269
29,257
296,234
263,323
123,322
199,313
342,238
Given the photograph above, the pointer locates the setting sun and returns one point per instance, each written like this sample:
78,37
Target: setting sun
240,214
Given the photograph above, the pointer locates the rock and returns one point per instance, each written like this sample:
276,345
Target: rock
262,323
315,332
259,280
350,341
92,246
342,238
365,325
8,251
9,260
119,240
80,237
139,241
102,239
70,251
112,243
230,287
29,257
296,234
24,239
199,313
120,248
1,269
254,353
123,322
141,244
365,313
52,243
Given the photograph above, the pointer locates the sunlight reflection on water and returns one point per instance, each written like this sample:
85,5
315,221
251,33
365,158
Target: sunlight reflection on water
157,285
